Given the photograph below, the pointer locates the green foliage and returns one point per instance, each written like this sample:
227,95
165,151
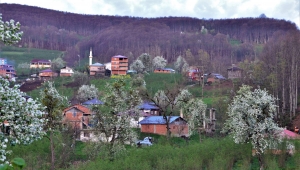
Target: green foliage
159,81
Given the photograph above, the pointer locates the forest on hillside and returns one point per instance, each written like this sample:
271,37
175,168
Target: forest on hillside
267,49
225,40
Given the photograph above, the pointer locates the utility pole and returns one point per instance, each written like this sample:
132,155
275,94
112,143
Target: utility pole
79,59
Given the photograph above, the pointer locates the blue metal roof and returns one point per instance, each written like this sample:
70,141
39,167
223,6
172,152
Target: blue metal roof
157,120
93,101
148,106
98,64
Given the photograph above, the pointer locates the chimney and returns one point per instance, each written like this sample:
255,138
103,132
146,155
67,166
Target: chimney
90,57
181,114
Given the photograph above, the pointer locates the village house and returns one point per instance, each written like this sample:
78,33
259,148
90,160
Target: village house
194,74
96,68
164,70
157,125
234,72
66,72
7,71
149,108
40,63
119,65
47,74
92,102
79,118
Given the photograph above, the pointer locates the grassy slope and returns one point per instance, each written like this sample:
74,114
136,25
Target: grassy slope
16,55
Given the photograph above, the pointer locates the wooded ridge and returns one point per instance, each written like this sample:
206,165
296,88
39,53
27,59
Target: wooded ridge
225,40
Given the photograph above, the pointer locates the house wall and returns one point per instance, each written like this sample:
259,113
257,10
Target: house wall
119,66
48,74
176,130
40,65
66,74
161,71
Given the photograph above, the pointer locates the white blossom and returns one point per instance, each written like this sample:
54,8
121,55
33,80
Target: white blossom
138,66
159,62
251,119
10,31
86,92
25,119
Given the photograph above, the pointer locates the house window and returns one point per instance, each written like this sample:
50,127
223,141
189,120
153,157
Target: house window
74,114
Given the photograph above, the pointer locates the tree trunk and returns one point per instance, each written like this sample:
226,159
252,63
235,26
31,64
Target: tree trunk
261,164
52,151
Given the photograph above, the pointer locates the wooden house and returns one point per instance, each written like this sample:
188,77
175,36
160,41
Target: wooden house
79,118
119,65
157,125
47,74
40,63
66,72
164,70
234,72
7,71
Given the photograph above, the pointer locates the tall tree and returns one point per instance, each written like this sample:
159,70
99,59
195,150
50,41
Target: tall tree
138,66
112,119
194,111
147,61
54,104
181,65
251,119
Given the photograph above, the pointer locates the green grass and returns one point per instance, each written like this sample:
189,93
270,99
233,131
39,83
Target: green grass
161,81
59,83
16,55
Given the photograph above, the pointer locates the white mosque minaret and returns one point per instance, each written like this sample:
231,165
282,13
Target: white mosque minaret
90,57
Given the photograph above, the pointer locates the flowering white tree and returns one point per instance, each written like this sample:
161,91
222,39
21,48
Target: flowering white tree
138,66
10,31
21,120
54,104
194,111
112,119
147,61
86,92
168,101
57,64
159,62
251,120
181,65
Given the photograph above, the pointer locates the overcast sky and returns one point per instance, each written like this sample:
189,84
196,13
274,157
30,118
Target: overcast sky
216,9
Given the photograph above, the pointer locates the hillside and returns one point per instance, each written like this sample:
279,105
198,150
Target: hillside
225,40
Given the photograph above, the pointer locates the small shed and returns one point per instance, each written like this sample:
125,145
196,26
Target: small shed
157,125
234,72
149,108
